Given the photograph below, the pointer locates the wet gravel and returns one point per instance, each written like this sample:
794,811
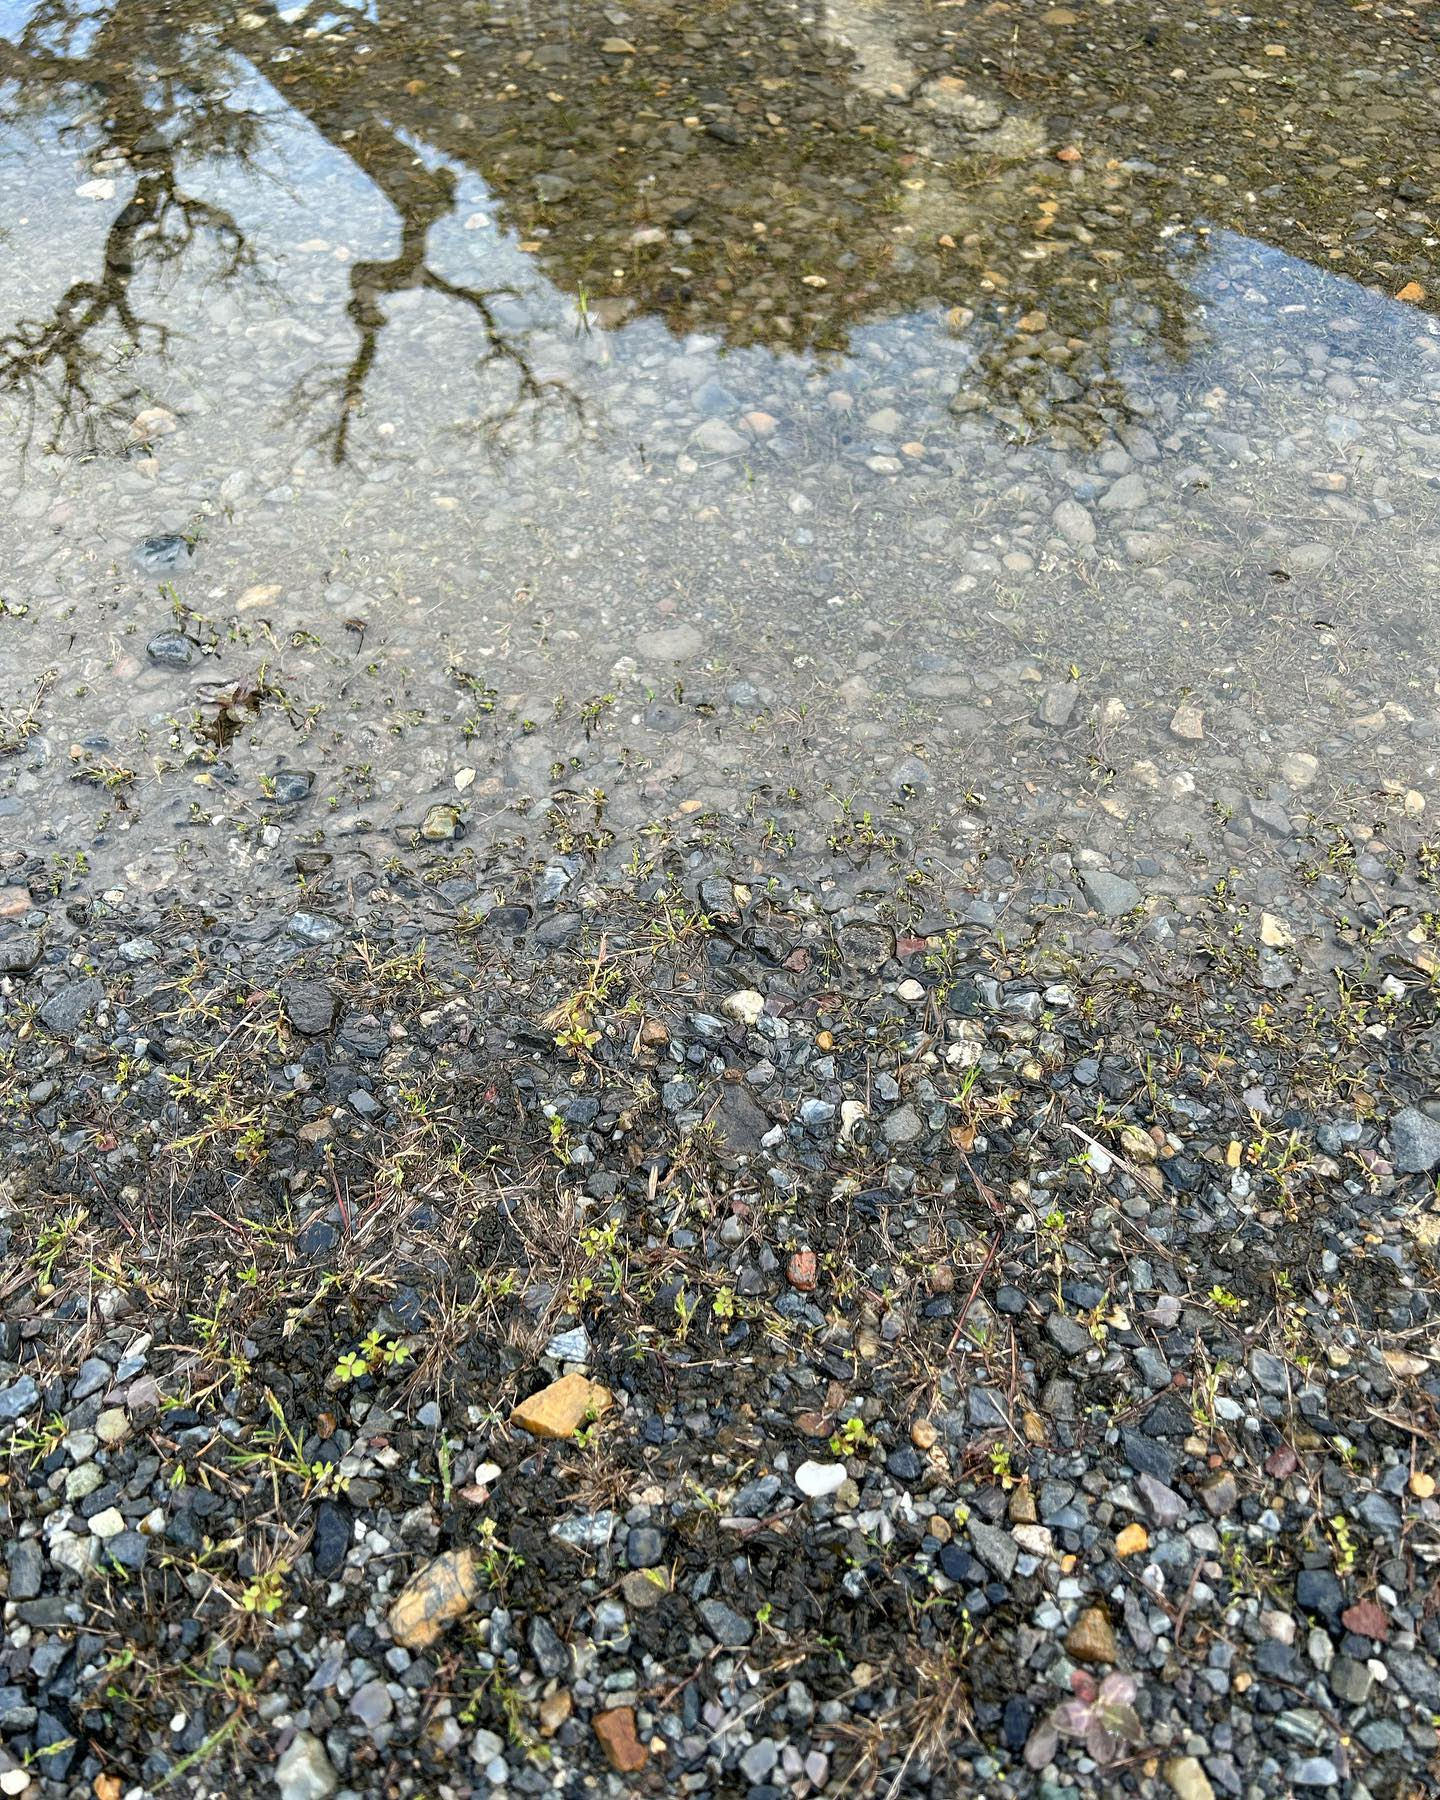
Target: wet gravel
925,1329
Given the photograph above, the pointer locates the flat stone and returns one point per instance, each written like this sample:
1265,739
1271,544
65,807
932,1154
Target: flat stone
548,1649
1187,722
331,1541
1366,1619
615,1731
433,1600
1220,1494
1414,1141
372,1705
64,1012
20,951
309,1005
1091,1638
725,1625
1110,895
27,1569
1057,706
996,1548
1188,1781
558,1411
304,1772
19,1398
571,1346
903,1126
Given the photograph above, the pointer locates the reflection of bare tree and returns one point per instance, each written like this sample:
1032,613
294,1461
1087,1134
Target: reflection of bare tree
96,324
421,198
788,232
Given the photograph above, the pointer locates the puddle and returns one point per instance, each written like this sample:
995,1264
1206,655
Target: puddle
841,431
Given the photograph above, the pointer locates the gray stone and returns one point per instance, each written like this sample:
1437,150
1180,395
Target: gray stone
1073,523
570,1346
27,1569
1110,895
586,1531
1068,1334
94,1375
725,1625
1269,1372
1414,1141
1350,1681
309,1004
19,1398
1272,816
372,1705
1057,706
171,650
1314,1771
549,1651
757,1762
20,951
1165,1506
1127,494
996,1548
903,1126
718,438
65,1010
304,1771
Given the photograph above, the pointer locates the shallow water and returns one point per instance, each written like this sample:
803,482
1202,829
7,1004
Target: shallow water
857,430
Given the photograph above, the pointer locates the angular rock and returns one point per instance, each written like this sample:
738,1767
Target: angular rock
309,1005
1187,1779
996,1548
616,1733
558,1411
1414,1141
725,1625
1110,895
1091,1638
304,1771
433,1600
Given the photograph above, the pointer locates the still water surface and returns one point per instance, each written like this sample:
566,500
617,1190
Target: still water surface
862,431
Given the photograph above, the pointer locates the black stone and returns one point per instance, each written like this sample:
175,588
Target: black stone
1318,1591
1149,1456
171,650
905,1464
545,1646
317,1238
1168,1417
1015,1723
957,1564
309,1005
331,1541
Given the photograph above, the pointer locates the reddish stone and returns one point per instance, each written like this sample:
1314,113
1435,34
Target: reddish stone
1366,1619
1282,1462
616,1732
801,1270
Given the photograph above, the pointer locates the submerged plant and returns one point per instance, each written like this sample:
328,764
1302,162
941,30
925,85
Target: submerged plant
1103,1715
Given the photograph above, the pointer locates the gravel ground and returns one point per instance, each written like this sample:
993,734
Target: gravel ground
715,1337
